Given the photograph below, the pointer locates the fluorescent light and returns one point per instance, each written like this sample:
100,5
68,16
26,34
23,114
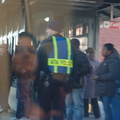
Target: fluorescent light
47,19
3,1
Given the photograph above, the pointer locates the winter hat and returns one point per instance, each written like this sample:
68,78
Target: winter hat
90,50
76,43
55,25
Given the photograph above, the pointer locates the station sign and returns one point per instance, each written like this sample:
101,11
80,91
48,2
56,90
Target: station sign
109,24
114,24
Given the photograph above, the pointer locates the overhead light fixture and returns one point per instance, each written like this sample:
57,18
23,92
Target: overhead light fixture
3,1
47,19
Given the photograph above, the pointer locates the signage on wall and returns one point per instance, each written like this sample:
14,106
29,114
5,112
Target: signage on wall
114,24
107,24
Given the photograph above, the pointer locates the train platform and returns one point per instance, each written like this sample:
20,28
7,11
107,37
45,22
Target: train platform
13,101
7,116
11,113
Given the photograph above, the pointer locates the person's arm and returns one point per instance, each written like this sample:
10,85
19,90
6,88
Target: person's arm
17,65
39,58
37,66
98,64
85,65
113,71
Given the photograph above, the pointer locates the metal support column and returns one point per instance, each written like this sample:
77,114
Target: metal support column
97,36
111,11
91,27
67,26
23,13
26,15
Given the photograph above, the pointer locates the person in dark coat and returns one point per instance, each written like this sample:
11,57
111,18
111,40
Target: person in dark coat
90,86
5,68
74,100
106,78
51,86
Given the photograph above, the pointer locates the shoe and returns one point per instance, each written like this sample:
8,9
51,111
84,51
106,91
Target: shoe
4,109
23,118
97,117
26,118
86,115
13,118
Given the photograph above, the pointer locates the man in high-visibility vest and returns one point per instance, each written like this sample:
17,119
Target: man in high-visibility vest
55,64
55,57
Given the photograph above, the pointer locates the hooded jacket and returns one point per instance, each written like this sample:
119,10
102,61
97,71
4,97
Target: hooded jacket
108,73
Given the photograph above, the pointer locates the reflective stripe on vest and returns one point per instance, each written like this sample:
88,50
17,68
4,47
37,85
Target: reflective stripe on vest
56,62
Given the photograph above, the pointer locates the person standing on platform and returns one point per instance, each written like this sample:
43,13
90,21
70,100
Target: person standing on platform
106,82
90,86
55,64
75,99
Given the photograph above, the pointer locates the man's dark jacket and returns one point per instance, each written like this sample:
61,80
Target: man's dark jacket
81,63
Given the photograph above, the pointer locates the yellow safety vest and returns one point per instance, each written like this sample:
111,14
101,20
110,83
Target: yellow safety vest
56,62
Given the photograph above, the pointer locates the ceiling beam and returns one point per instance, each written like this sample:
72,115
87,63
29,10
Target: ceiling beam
106,14
103,7
68,3
117,7
62,6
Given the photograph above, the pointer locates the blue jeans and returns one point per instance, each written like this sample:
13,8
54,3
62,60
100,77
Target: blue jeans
75,105
112,107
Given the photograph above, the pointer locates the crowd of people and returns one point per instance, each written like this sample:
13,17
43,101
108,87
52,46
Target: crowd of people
57,80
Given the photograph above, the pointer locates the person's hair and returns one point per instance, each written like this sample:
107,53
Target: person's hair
26,34
90,50
109,46
75,43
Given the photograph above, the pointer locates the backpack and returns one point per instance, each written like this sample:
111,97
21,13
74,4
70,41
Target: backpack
81,68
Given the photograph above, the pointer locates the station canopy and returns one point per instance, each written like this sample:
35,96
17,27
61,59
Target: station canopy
106,9
109,10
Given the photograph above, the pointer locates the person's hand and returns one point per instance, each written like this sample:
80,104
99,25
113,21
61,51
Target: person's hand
95,77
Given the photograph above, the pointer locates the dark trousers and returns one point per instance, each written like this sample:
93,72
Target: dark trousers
94,103
23,96
52,100
20,109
